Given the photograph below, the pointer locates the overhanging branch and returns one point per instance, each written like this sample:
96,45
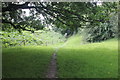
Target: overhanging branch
14,7
16,27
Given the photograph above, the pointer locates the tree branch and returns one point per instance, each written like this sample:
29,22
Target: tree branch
5,21
14,7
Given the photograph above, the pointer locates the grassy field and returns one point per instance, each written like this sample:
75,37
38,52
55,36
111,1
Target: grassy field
74,60
26,62
93,60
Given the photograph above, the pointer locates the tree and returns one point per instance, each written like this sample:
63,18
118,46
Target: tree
71,14
66,15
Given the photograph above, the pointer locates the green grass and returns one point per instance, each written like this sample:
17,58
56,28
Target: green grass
26,62
94,60
74,60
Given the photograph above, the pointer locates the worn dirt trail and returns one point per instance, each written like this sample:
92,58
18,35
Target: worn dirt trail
52,69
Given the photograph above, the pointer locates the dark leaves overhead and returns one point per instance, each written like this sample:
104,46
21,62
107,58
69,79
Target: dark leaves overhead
69,14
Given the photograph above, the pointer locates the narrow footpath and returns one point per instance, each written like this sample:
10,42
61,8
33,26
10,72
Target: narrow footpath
52,69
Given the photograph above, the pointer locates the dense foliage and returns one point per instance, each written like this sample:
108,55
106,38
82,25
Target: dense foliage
95,18
103,31
27,38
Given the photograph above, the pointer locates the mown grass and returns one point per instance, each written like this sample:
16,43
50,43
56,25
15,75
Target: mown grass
74,60
94,60
26,62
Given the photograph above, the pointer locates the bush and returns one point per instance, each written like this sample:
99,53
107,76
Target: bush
26,38
102,32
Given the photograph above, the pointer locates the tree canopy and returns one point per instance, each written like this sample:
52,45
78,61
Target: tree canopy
65,15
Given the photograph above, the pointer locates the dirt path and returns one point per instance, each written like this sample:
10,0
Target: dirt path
52,69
